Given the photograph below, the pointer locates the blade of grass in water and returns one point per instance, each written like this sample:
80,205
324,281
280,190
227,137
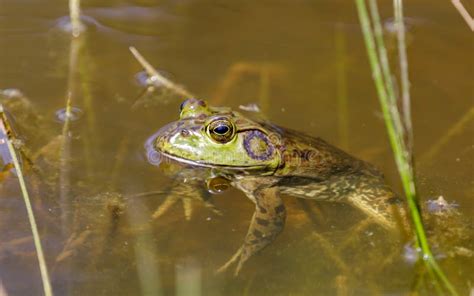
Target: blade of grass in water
396,131
405,83
5,127
157,77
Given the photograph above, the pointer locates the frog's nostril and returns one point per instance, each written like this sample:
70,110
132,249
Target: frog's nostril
184,132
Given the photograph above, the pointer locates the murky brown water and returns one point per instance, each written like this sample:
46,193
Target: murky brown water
304,62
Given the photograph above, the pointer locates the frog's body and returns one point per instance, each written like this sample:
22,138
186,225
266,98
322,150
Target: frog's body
264,161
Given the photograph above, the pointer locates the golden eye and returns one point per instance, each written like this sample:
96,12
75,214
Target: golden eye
221,130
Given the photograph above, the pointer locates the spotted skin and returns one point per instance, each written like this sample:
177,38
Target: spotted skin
264,161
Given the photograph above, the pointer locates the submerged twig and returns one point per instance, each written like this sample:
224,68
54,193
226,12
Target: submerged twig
145,250
6,130
454,130
158,79
64,166
465,15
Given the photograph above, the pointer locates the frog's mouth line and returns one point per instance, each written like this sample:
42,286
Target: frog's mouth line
211,165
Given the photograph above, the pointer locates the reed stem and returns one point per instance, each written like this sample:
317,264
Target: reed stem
75,16
396,130
405,82
6,130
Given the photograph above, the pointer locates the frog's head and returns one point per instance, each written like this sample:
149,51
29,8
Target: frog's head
218,137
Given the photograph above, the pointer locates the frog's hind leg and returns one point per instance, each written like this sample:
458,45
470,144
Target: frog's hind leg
366,192
376,199
267,222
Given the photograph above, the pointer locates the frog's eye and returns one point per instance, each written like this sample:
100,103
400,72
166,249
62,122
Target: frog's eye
221,130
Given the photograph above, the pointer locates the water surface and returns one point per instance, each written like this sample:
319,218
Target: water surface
304,63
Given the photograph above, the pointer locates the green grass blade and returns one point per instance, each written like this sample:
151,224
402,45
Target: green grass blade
396,131
4,125
405,82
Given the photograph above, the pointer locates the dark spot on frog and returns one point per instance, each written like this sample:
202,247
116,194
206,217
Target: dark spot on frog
278,223
394,200
257,233
280,209
261,221
194,128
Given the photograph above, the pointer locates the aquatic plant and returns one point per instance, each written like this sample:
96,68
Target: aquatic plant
155,78
9,140
75,16
398,122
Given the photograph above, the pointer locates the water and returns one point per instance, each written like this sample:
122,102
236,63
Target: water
304,65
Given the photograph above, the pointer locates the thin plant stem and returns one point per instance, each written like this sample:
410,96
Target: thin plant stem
386,72
75,16
395,139
146,254
64,182
382,52
456,129
91,142
157,78
120,160
5,128
65,149
395,132
405,82
465,15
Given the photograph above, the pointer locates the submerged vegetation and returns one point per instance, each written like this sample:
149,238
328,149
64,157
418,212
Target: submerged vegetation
7,136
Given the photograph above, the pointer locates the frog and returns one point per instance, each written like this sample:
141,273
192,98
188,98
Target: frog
266,161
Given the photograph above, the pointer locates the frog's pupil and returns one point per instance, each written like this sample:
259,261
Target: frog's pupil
182,106
221,129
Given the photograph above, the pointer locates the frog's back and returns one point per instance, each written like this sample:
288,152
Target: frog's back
311,157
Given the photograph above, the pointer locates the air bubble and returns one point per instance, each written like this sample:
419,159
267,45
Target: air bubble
87,22
74,114
143,79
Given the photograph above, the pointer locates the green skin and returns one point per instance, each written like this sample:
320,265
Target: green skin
263,161
275,161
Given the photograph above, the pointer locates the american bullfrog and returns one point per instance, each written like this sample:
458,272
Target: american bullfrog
264,161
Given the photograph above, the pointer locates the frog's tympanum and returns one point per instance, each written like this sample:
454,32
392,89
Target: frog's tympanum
264,161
